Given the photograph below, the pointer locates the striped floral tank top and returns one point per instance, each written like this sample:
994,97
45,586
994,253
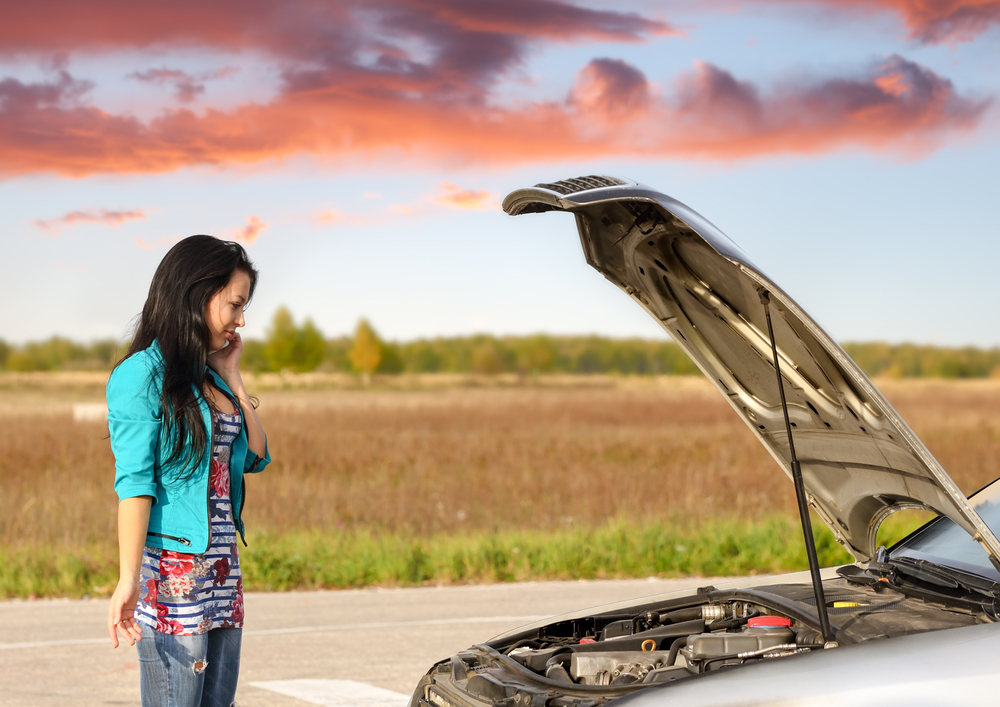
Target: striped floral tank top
184,594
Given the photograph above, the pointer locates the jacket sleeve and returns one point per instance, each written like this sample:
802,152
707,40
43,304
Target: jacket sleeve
134,421
255,464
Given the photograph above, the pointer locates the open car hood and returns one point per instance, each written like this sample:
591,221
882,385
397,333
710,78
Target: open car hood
860,461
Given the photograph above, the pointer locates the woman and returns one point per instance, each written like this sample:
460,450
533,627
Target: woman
184,432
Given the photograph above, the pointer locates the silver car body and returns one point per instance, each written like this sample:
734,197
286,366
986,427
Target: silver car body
957,666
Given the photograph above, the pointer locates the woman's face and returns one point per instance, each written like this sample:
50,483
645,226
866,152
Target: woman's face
224,312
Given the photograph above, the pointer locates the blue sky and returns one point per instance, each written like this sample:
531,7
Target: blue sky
802,129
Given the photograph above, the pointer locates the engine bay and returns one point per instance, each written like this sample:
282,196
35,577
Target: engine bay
583,661
655,647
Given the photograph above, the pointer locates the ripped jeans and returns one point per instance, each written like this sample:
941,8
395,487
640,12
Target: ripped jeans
189,671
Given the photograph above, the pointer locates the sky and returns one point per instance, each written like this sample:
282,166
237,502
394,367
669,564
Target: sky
360,151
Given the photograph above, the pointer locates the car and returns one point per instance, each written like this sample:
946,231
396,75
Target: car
913,624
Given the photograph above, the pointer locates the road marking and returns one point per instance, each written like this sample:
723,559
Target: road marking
335,693
516,620
510,620
46,644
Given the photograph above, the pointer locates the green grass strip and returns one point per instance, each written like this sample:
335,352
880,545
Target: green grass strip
332,559
617,550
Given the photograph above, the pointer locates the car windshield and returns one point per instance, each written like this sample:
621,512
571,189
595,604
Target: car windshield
942,541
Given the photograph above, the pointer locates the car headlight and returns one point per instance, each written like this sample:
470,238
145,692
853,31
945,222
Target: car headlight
437,699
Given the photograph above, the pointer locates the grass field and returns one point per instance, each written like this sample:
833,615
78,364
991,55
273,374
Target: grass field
440,479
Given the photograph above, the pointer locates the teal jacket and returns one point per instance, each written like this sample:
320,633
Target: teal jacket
179,518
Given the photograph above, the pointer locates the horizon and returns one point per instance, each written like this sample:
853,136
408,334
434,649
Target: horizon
666,338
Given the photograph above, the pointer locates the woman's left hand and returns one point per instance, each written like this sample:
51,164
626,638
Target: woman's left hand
226,362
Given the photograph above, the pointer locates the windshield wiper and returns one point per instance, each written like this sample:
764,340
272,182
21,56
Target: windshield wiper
942,575
929,581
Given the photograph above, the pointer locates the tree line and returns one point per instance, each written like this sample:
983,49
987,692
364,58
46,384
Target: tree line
302,347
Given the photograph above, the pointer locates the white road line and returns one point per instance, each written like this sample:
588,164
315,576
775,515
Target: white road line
335,693
46,644
516,620
510,620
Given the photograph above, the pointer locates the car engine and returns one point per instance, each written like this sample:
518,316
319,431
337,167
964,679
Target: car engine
660,647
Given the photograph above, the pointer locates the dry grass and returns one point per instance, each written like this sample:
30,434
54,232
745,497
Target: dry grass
534,458
445,460
959,421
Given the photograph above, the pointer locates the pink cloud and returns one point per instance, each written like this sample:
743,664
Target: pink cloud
324,31
928,21
612,88
458,197
896,105
327,217
348,70
99,216
249,233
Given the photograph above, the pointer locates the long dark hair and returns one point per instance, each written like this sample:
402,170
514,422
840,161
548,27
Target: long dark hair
174,315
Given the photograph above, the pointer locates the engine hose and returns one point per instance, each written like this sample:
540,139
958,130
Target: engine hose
805,635
674,648
560,657
688,614
731,623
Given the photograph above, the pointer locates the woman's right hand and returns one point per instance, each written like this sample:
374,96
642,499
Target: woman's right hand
121,613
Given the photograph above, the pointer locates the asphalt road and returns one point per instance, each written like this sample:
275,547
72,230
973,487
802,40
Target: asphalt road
56,652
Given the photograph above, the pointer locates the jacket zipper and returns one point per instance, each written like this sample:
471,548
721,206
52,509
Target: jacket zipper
243,500
183,541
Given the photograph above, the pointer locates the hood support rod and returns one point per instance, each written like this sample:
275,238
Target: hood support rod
800,491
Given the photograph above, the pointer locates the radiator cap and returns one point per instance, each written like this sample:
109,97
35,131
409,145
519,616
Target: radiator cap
769,622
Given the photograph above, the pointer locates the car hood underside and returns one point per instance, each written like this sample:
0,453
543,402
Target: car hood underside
860,461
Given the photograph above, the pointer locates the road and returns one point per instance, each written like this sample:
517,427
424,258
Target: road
55,652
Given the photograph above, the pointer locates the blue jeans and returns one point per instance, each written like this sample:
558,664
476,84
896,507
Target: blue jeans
189,671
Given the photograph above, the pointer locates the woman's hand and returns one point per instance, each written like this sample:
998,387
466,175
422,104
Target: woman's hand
133,521
226,362
121,613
